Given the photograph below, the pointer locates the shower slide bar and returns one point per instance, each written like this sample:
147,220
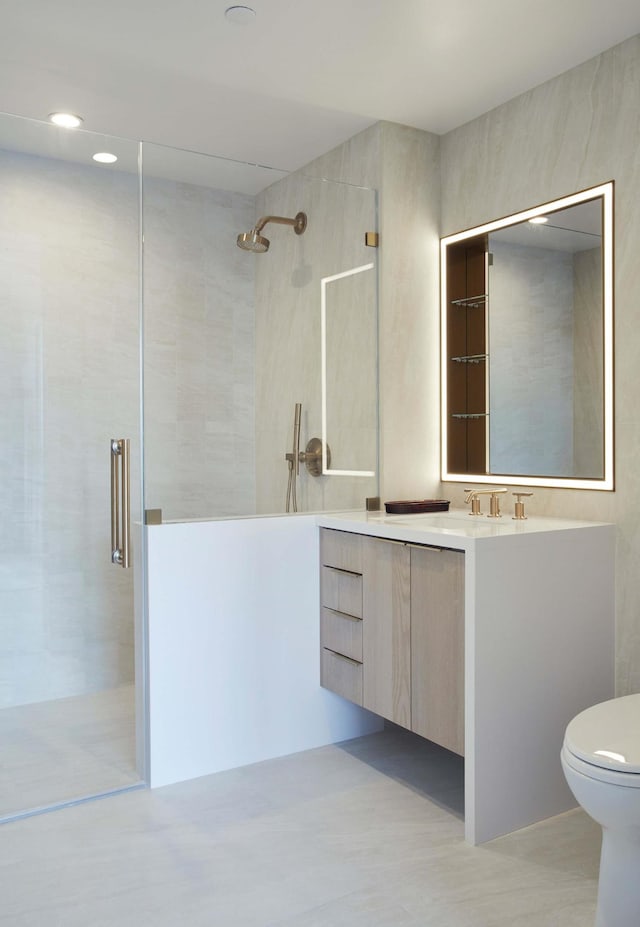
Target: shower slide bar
293,460
120,502
311,457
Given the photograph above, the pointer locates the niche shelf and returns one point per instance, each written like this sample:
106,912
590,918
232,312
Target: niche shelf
470,358
470,302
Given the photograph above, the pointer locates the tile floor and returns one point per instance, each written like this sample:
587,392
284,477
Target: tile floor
59,750
363,834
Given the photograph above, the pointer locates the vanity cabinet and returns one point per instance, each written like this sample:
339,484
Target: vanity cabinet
392,631
387,630
437,646
486,636
341,637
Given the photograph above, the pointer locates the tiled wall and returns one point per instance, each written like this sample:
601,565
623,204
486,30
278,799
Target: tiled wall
288,342
69,382
69,237
403,165
198,352
571,133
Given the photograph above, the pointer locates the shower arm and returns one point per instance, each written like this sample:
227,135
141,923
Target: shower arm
299,223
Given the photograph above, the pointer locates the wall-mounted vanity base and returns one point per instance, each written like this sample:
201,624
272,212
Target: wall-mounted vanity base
484,637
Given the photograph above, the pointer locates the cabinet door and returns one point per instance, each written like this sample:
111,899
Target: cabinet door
437,646
386,634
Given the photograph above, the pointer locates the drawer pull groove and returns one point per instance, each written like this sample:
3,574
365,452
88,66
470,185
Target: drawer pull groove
337,611
341,656
336,569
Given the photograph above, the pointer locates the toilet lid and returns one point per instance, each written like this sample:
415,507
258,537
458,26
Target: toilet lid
608,735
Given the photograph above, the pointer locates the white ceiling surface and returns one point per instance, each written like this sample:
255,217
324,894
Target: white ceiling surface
301,78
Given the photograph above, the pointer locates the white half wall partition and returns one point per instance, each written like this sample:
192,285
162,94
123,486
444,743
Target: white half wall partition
233,627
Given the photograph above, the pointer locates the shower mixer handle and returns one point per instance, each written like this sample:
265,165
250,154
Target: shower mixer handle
311,457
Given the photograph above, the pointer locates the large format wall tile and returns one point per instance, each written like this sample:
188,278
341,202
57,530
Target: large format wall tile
199,352
578,130
69,381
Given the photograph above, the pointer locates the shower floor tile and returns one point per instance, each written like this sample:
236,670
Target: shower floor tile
65,749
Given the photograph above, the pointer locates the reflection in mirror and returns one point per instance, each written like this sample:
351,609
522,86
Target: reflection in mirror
527,354
349,372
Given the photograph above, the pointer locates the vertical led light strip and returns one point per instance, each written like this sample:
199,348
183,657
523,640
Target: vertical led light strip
604,190
326,471
444,353
607,290
487,351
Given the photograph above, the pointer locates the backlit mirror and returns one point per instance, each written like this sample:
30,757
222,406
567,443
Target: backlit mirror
527,347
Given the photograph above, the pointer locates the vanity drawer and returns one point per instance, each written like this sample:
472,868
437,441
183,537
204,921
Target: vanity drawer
342,675
341,550
341,633
341,591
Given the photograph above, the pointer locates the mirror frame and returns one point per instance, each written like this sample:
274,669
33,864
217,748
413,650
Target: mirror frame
605,191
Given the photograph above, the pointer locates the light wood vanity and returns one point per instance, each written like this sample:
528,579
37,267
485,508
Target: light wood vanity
483,635
392,631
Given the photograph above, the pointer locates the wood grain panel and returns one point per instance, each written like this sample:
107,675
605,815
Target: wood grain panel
387,630
341,633
341,591
341,550
437,646
342,675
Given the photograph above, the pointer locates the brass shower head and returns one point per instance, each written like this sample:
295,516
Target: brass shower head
254,241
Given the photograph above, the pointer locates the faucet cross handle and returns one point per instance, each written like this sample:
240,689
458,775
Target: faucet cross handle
519,506
494,503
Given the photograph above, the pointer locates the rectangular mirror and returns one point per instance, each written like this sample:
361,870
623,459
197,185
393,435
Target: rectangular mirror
527,347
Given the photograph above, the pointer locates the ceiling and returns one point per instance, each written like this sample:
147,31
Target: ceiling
301,78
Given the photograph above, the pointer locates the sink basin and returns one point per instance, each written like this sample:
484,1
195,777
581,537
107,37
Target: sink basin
452,521
436,519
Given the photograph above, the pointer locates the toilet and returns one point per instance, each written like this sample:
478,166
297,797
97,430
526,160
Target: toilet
601,762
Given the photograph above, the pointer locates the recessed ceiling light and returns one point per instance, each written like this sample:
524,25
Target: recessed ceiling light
105,157
240,15
538,220
66,120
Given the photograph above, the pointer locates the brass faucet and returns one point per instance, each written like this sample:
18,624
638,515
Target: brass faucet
472,497
494,503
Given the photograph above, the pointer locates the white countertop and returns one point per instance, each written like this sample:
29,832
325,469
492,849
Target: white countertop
456,528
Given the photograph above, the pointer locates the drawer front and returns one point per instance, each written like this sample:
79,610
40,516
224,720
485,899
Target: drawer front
341,550
341,675
341,591
341,633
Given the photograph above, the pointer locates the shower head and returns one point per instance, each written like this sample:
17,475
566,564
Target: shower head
254,241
